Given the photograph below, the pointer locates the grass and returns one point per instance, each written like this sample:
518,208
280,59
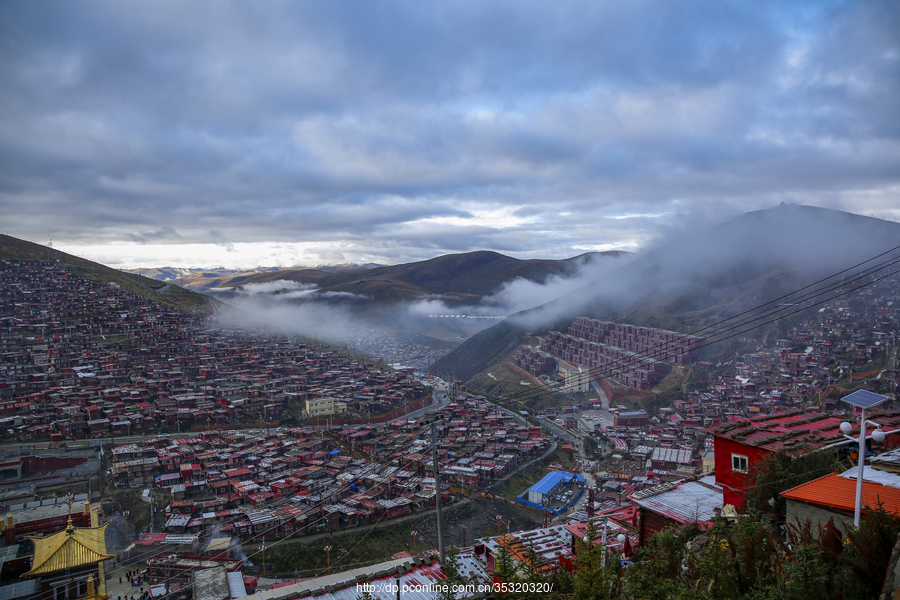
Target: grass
309,559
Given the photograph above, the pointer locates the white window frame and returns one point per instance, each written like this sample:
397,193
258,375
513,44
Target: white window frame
736,459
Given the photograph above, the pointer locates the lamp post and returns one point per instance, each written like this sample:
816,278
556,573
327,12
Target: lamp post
328,557
414,533
263,550
862,399
125,514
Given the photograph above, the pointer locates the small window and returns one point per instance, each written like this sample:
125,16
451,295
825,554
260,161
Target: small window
739,463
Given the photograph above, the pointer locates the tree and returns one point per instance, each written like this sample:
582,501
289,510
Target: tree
656,574
453,577
778,472
595,576
868,549
505,566
745,559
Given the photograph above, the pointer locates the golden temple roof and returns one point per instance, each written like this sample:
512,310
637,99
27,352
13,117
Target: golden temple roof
67,549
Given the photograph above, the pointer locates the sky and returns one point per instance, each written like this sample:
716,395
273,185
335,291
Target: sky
243,134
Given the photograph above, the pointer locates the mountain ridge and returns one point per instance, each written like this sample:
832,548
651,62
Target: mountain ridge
697,279
461,278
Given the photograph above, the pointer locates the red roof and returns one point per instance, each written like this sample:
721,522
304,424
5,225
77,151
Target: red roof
840,492
783,432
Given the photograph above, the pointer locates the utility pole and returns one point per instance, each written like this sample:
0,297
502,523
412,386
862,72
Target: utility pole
437,489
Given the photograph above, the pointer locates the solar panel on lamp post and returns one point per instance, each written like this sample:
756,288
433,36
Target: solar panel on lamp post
862,399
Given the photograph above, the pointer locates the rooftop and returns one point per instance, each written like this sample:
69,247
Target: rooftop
788,431
839,492
683,501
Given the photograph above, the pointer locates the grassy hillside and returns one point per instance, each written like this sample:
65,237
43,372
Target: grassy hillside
158,291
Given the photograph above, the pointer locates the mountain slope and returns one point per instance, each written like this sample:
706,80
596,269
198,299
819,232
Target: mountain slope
158,291
462,278
700,278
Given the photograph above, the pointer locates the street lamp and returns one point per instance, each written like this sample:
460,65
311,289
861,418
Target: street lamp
862,399
262,549
328,555
414,533
125,514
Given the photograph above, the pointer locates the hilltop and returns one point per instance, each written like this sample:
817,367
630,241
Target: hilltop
202,280
457,278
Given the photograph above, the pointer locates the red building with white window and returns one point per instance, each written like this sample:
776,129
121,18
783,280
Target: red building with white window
741,444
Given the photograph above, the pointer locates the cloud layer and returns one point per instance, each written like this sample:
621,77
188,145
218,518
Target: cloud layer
240,134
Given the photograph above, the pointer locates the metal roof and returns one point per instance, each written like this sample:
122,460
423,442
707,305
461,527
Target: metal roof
550,481
21,589
236,584
684,501
838,492
679,456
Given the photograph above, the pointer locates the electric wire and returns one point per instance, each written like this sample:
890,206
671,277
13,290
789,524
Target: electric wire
726,333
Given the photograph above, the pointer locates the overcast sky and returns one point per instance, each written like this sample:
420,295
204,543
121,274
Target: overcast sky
191,133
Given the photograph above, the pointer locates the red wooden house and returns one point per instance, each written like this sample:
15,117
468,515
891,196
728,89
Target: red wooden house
741,444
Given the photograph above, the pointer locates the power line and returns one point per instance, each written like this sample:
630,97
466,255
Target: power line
778,312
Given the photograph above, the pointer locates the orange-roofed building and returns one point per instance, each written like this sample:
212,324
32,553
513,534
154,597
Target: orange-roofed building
834,496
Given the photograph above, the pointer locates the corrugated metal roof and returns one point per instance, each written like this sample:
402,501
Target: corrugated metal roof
679,456
549,481
687,502
236,584
21,589
838,492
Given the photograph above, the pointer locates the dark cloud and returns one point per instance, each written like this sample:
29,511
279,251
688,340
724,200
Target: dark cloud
413,129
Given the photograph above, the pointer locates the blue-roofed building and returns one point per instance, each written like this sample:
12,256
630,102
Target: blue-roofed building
546,487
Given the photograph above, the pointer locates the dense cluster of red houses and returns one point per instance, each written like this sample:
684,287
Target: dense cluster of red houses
300,479
79,357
